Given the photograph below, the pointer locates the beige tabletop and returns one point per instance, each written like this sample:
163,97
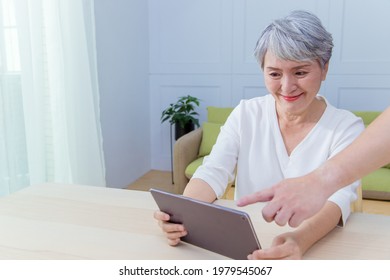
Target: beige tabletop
54,221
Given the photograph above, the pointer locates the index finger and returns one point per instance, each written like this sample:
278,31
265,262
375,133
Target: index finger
261,196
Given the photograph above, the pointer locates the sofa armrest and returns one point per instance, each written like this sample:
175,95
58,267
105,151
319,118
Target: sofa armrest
185,151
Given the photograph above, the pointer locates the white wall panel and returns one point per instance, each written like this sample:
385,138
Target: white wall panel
361,31
355,98
361,93
190,36
246,87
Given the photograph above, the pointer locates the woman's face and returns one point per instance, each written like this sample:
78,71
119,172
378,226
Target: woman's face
293,84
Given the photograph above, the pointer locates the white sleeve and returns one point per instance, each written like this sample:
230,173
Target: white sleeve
218,168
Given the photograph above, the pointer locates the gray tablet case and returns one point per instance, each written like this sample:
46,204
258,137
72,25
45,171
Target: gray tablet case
222,230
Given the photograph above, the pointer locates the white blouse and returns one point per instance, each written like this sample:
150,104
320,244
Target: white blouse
250,148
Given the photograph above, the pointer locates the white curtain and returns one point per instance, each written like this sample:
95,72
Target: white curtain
49,97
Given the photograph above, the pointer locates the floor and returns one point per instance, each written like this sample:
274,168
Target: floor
163,180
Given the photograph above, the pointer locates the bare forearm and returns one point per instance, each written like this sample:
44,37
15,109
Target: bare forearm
201,190
318,226
368,152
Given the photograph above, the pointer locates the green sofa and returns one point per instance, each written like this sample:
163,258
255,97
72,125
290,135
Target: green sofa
190,150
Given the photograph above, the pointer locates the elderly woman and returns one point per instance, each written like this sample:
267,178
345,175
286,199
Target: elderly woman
286,134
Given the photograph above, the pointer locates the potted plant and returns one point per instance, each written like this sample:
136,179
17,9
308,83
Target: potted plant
182,114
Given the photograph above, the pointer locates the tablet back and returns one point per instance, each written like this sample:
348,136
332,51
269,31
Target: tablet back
223,230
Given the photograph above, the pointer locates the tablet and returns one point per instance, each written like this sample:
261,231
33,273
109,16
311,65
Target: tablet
222,230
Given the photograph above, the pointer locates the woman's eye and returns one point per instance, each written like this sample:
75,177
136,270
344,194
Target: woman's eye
274,75
301,73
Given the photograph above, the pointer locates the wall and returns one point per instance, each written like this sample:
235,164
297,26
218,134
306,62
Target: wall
123,58
204,48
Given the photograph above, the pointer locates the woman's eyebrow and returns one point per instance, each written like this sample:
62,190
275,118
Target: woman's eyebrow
295,67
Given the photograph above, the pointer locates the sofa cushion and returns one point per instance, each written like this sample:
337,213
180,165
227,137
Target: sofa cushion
376,185
191,168
216,117
218,114
209,137
367,116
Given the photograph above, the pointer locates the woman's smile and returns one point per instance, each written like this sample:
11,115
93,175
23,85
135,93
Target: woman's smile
293,98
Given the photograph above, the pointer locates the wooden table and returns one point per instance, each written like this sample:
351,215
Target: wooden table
54,221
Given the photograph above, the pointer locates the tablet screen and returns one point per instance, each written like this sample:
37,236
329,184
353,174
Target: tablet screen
220,229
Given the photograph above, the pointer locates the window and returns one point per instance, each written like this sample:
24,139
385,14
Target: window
49,117
10,55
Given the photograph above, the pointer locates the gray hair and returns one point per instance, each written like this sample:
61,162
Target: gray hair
299,36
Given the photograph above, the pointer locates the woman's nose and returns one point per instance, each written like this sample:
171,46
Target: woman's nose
288,84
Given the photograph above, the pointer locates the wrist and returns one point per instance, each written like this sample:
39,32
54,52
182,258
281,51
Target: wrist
326,181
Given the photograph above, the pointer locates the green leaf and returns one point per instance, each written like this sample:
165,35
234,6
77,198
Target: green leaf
182,112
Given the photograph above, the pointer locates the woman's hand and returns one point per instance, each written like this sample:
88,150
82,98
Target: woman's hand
197,189
284,247
173,231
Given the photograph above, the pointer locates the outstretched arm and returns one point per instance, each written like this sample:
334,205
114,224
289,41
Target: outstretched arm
294,200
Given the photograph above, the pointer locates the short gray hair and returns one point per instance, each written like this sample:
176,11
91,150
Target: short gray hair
299,36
